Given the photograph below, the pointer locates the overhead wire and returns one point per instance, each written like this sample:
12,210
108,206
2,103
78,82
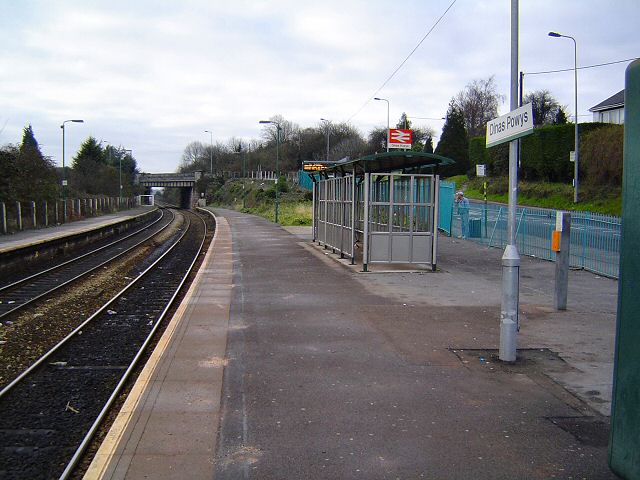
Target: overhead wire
403,62
580,68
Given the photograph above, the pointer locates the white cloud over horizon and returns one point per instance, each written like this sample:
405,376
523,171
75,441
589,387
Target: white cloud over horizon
152,76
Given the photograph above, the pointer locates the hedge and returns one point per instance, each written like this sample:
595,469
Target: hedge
544,155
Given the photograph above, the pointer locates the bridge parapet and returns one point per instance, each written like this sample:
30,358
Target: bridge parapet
168,179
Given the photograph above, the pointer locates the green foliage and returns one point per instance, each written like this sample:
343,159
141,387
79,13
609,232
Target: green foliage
601,199
38,180
544,155
453,142
27,175
601,155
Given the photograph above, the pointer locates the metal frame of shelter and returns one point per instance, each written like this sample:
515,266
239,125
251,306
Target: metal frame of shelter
383,205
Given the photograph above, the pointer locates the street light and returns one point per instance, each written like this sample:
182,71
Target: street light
108,151
130,152
210,150
577,140
64,175
328,123
278,128
385,100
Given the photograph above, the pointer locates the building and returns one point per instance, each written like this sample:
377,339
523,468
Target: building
610,110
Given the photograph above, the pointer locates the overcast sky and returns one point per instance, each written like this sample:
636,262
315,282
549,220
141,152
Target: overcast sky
153,75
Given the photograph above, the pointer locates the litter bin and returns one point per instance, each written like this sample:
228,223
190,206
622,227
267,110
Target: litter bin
475,228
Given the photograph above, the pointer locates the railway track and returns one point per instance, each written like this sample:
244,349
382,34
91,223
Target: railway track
52,410
26,290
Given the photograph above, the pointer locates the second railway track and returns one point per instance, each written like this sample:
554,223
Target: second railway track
51,411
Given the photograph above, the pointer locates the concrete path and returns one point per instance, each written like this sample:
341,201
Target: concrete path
337,374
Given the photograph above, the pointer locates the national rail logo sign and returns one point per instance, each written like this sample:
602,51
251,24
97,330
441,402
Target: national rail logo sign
400,138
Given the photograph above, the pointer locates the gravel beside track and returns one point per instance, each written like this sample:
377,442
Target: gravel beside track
47,414
21,292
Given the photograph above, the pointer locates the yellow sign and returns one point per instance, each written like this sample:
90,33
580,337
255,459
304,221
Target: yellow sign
313,167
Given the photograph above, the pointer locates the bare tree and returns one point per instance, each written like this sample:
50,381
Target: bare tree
287,132
546,109
193,153
479,103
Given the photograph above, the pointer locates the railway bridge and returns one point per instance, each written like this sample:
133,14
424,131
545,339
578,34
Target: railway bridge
186,182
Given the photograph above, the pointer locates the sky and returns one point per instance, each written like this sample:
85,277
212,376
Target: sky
152,76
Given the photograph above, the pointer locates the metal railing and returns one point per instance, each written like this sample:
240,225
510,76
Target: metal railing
595,238
18,216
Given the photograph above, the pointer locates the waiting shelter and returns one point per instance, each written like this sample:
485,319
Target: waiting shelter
382,208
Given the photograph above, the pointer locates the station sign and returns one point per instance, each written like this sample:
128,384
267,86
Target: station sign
481,170
515,124
400,138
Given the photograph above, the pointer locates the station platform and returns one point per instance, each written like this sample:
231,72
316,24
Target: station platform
285,362
28,238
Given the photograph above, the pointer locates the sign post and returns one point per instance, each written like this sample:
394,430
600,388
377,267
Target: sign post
508,128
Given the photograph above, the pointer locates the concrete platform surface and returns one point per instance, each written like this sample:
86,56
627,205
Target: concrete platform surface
27,238
333,373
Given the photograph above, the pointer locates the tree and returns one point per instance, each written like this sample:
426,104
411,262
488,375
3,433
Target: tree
428,145
36,178
561,117
479,103
453,142
90,170
377,140
546,109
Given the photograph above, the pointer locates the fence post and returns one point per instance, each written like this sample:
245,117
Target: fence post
3,212
56,213
19,217
46,214
563,226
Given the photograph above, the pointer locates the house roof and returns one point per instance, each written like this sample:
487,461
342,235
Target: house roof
614,101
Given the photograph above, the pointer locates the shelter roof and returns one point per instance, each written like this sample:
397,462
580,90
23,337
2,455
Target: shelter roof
383,162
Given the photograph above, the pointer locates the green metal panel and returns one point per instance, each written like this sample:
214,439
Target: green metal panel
445,206
624,446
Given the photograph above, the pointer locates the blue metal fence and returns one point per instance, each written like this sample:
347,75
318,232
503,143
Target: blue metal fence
595,238
445,205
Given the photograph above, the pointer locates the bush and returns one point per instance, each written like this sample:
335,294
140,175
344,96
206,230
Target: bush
601,155
544,153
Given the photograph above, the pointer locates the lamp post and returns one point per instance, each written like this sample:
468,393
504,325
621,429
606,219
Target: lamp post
385,100
328,124
210,150
108,151
130,152
577,140
278,128
64,175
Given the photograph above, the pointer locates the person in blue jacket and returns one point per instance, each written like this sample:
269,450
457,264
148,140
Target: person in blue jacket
463,211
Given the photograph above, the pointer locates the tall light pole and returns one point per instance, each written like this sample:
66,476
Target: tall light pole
64,175
328,124
385,100
577,140
108,151
210,150
130,152
278,128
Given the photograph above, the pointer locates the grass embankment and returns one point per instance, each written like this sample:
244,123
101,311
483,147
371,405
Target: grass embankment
258,198
607,200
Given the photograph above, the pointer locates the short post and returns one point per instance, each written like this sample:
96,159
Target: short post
46,214
561,243
34,220
19,216
56,213
3,213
